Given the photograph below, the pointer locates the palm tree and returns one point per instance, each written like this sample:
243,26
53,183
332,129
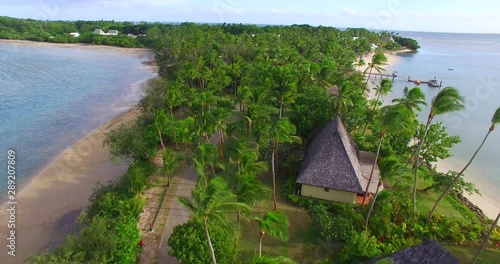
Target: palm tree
284,88
378,60
269,260
220,116
282,131
486,239
159,124
174,98
275,224
360,63
412,99
342,98
372,204
446,101
393,118
494,120
383,89
211,204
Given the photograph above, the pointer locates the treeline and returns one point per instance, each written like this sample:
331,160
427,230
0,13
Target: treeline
240,103
406,42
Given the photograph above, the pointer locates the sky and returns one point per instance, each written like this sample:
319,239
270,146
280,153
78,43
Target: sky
465,16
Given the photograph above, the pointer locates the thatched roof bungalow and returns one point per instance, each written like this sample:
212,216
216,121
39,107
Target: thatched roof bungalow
429,252
334,169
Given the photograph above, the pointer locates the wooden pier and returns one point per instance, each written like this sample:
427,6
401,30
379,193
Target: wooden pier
432,82
392,75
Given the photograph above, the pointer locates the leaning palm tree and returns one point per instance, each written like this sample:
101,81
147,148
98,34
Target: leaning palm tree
275,224
494,120
412,99
282,131
211,204
378,60
342,98
159,124
393,118
446,101
381,90
485,240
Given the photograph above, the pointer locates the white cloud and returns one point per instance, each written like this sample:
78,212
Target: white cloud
348,12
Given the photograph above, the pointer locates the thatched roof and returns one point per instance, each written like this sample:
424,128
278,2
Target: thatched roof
429,252
333,161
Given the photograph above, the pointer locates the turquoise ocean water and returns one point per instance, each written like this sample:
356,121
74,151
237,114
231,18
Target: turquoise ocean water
475,63
52,97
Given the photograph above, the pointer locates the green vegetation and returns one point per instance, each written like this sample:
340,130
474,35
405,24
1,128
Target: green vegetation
240,103
406,42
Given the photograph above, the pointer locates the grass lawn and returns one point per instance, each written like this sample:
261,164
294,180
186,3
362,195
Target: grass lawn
305,244
465,254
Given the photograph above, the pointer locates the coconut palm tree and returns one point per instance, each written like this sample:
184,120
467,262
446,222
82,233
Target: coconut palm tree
378,60
211,204
275,224
412,99
372,204
393,118
446,101
159,124
174,98
282,131
494,120
269,260
342,98
220,117
485,240
381,90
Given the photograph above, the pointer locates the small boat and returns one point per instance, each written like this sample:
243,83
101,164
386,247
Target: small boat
433,83
450,69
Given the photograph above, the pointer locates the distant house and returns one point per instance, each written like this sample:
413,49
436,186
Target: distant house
98,31
112,32
355,38
75,34
132,35
428,252
333,169
374,47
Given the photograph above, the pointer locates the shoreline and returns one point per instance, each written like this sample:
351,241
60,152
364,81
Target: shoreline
484,202
142,52
50,200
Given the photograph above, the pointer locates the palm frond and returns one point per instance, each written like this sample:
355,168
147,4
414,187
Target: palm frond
446,101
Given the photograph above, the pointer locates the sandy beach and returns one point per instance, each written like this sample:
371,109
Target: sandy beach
141,52
50,203
392,59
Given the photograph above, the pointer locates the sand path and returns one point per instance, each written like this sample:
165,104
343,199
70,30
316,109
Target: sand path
179,214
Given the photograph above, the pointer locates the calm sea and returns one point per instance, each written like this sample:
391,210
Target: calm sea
471,63
52,97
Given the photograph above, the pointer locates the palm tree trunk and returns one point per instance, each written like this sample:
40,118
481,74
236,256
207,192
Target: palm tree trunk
417,162
221,145
369,74
371,206
486,239
455,180
371,115
281,107
175,131
382,134
161,140
260,243
274,180
207,234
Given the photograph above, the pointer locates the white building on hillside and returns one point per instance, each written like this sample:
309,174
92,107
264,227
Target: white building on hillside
75,34
98,31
